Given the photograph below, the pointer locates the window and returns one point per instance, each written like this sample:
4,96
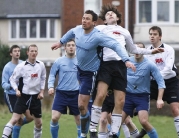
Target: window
52,28
43,29
157,11
176,11
94,5
23,28
32,29
163,11
13,29
145,11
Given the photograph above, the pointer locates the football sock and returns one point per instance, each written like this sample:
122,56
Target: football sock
54,127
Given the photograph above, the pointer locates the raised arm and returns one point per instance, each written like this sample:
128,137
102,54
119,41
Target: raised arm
133,49
69,35
111,43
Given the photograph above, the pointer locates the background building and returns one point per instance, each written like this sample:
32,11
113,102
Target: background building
43,22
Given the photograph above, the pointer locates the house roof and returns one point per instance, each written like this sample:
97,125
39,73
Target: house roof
30,8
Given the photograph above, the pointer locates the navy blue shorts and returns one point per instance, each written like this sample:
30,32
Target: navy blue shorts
64,100
10,100
87,81
138,101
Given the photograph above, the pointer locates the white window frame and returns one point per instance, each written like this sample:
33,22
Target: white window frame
28,31
154,11
97,12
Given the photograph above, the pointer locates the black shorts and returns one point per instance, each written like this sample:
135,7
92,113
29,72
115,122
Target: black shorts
113,73
108,104
171,93
28,102
10,100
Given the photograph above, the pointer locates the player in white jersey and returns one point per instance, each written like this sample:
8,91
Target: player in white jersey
112,70
33,76
10,94
165,63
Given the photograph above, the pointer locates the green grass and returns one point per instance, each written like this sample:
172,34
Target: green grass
164,125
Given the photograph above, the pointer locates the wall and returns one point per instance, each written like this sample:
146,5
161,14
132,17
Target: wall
4,31
73,11
45,52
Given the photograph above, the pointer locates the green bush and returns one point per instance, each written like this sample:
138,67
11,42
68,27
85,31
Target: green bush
4,58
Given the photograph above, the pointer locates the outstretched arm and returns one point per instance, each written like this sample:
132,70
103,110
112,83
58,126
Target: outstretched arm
56,46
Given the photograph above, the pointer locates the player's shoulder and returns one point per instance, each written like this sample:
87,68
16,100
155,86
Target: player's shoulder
40,62
100,27
7,65
149,62
166,46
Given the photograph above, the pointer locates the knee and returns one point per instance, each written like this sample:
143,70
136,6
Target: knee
38,124
29,118
143,122
120,103
55,119
19,122
81,108
103,121
100,96
175,112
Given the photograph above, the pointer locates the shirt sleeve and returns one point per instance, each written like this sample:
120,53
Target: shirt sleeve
169,62
111,43
52,75
43,77
14,79
157,76
5,79
69,35
131,47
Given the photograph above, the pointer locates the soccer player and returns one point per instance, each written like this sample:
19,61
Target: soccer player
67,90
128,127
9,94
112,69
87,39
33,74
165,63
138,91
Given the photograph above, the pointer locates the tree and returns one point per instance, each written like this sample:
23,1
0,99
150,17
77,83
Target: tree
4,58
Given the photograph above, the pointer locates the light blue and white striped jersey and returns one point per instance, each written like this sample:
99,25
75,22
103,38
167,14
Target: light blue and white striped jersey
6,74
66,68
139,81
87,44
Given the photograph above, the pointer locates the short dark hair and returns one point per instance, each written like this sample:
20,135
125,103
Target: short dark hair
32,45
156,28
140,43
109,7
94,15
69,41
13,47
